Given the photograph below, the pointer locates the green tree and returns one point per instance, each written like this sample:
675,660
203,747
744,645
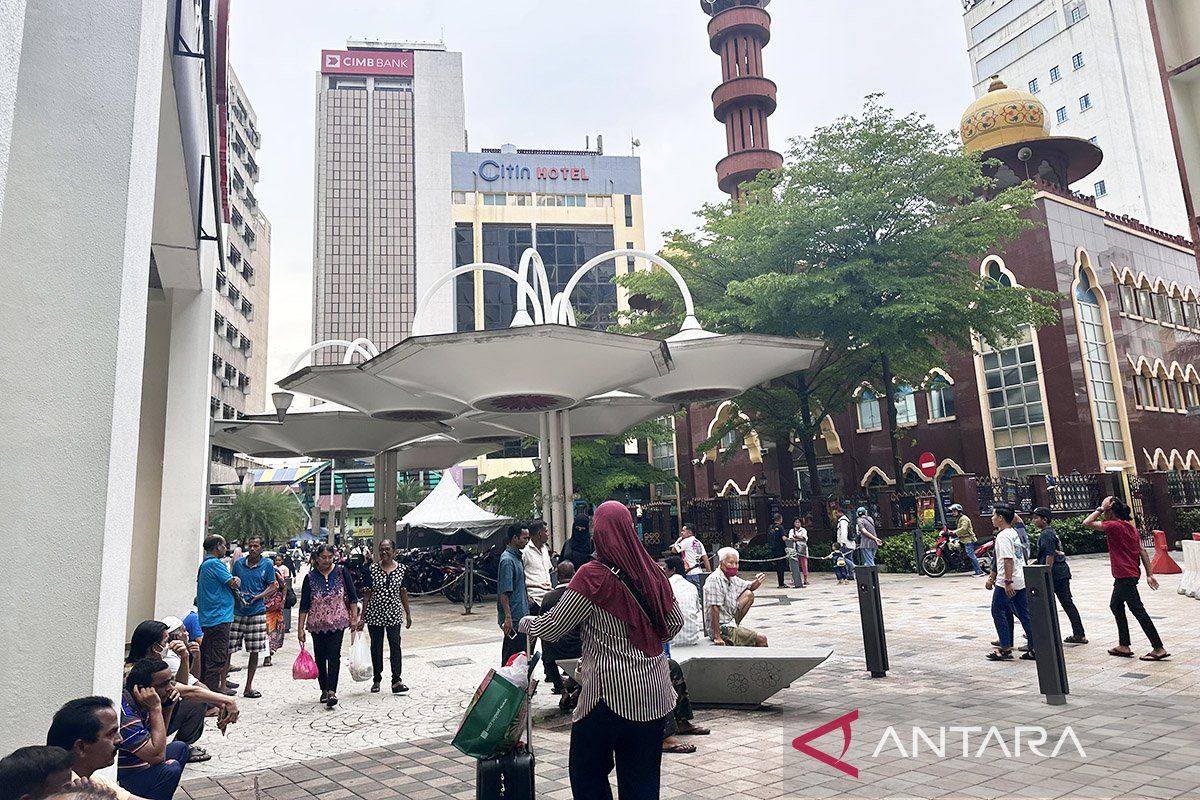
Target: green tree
600,471
867,239
258,512
408,496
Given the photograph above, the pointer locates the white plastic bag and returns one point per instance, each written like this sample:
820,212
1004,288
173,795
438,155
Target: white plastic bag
516,673
361,668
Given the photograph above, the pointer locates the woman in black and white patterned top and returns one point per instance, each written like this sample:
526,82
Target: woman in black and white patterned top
624,609
385,602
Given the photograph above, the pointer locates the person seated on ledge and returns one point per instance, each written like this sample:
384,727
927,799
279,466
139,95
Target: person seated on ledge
727,600
88,729
34,773
147,765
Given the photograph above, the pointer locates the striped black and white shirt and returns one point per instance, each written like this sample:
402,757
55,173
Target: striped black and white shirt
635,686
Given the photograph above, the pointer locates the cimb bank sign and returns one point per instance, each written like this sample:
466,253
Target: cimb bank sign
367,62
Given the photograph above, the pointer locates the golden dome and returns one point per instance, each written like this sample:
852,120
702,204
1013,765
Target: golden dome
1003,116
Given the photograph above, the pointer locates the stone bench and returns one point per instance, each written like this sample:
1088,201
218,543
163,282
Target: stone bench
737,677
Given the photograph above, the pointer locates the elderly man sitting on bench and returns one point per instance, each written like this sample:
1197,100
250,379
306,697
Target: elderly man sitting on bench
727,600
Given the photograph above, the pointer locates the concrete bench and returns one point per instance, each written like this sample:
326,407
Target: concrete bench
737,677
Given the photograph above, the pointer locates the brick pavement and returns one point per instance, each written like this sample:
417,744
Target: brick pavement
1137,722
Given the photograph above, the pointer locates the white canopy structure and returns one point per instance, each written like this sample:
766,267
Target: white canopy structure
447,511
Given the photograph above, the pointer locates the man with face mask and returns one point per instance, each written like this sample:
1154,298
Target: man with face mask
727,600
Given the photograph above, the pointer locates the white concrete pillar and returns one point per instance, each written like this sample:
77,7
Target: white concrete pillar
75,238
185,448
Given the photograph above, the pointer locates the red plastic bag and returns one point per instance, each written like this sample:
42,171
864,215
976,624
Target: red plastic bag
305,666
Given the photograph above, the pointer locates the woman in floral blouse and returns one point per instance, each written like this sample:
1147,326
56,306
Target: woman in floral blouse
328,605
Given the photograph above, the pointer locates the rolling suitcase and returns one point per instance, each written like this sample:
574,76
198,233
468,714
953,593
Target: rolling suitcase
509,776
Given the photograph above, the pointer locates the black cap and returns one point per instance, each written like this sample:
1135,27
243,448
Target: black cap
1042,512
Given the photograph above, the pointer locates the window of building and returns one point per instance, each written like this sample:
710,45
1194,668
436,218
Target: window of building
1055,74
1144,304
1162,308
1061,114
1033,86
599,201
1016,410
1125,293
730,440
1181,400
628,211
492,199
1077,61
906,405
941,400
1085,102
1099,372
1162,391
869,418
1190,318
464,285
1176,305
565,249
1101,188
462,198
1144,392
559,200
1078,13
1193,394
520,199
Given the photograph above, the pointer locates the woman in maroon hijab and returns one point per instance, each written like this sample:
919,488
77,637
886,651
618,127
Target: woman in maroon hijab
624,609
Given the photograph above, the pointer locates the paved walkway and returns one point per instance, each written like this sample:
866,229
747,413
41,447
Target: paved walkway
1136,722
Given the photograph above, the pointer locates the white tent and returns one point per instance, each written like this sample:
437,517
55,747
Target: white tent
447,511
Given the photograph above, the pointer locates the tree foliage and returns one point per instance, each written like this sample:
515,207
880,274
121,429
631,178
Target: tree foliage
275,516
867,238
600,471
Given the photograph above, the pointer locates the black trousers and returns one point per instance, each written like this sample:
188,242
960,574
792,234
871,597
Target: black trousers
327,650
1125,593
1062,590
683,706
214,655
601,740
393,637
187,721
781,566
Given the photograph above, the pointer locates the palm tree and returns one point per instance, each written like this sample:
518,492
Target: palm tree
408,496
258,512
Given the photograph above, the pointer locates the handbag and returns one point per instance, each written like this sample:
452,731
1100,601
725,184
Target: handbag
290,600
305,666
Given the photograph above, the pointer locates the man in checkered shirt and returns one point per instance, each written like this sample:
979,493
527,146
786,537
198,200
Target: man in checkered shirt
727,600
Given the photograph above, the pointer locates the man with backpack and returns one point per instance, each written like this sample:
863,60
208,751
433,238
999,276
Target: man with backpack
1050,552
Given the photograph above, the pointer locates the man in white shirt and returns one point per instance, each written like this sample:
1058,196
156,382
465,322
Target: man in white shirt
844,558
1008,584
694,556
727,600
689,604
538,565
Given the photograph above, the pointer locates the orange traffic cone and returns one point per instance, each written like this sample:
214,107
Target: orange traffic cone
1162,563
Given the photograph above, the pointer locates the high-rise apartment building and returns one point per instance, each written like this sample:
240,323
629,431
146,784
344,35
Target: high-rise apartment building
388,116
1093,65
239,359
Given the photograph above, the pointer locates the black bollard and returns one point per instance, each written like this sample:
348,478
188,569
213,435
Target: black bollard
870,608
919,550
1047,639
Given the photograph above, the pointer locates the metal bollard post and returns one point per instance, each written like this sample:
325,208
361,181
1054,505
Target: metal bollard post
1047,639
469,590
919,550
870,608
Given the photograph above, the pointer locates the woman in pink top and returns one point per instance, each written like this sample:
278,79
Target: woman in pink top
1126,557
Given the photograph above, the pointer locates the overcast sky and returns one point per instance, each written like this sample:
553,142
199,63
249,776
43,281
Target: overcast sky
547,73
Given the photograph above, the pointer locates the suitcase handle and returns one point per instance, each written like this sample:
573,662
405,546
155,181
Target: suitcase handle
529,692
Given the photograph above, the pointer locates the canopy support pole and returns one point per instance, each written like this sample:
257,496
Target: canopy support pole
568,473
556,479
544,468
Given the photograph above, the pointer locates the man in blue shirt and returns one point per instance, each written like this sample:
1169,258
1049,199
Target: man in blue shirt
512,599
257,577
215,587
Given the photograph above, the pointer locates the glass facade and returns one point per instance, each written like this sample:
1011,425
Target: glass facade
464,285
1016,409
1099,372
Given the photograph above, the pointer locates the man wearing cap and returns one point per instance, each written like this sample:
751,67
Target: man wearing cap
868,538
1050,552
965,534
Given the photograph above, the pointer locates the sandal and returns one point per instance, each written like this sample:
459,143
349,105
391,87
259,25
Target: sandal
332,700
1112,651
197,754
1028,656
693,730
252,694
399,688
1073,639
375,687
679,748
1152,657
1000,655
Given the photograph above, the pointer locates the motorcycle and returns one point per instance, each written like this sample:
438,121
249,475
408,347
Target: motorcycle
947,554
